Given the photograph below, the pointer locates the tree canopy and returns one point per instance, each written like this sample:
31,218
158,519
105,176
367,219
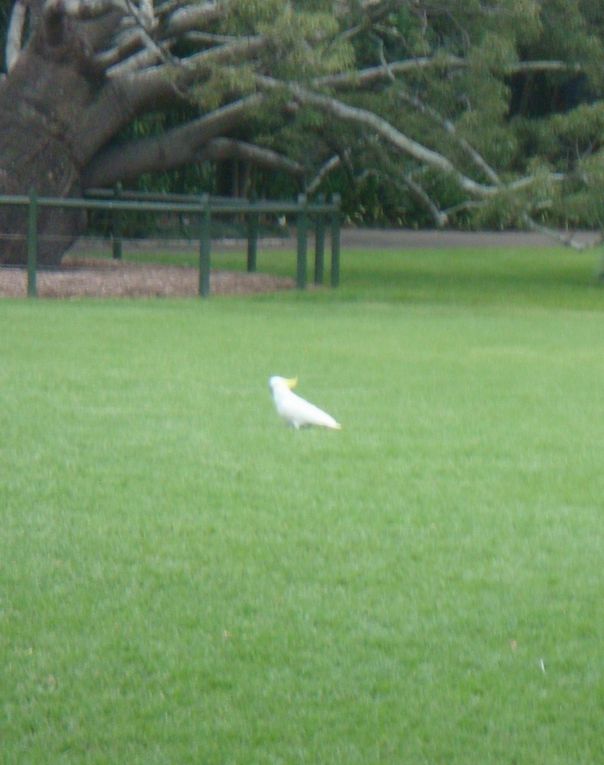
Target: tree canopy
439,111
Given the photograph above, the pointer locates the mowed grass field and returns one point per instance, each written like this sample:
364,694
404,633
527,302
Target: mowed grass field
186,580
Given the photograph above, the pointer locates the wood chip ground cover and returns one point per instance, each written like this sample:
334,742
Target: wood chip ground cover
108,279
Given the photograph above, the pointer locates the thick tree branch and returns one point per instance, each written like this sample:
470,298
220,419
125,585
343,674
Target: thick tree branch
228,148
162,81
14,35
399,141
449,128
125,45
371,75
191,17
328,167
84,10
167,151
565,238
387,132
126,97
438,216
150,31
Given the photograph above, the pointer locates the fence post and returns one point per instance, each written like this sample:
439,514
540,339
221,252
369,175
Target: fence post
32,244
335,240
320,243
116,226
204,246
252,240
302,235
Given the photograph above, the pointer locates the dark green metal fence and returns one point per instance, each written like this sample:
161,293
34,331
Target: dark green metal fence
318,216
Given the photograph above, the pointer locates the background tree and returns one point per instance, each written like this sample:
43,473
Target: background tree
485,111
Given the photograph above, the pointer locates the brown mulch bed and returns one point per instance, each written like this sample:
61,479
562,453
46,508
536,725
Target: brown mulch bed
84,277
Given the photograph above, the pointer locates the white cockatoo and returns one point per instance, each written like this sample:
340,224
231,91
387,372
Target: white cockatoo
295,410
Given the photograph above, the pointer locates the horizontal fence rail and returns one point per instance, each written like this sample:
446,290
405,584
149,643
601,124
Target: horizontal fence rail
320,214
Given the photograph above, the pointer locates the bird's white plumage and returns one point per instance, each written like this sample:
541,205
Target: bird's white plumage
294,409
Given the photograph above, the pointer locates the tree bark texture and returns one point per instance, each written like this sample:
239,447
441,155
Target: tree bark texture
42,103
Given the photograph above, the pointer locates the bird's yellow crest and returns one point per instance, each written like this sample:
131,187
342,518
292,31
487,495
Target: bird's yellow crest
291,382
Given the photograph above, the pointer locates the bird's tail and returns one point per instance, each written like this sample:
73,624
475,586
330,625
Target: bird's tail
328,421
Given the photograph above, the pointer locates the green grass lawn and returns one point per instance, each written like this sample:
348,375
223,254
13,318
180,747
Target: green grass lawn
185,580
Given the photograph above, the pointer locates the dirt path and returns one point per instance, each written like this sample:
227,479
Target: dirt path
119,279
405,239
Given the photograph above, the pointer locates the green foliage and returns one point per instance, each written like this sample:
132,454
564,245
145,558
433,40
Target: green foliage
582,204
221,82
302,45
246,16
513,119
493,53
571,142
301,39
478,99
580,131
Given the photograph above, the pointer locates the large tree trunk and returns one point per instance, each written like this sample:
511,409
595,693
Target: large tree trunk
59,111
42,103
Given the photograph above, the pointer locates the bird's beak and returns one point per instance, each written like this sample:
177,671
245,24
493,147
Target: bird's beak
291,382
